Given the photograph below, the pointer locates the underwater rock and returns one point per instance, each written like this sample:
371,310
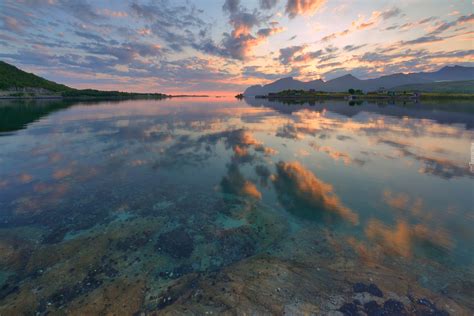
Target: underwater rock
371,289
374,290
349,309
359,287
372,308
176,243
394,307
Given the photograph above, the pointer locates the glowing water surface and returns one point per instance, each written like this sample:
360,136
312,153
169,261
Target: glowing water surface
226,206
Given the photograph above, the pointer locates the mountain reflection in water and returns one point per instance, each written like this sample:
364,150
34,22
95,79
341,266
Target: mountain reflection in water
211,205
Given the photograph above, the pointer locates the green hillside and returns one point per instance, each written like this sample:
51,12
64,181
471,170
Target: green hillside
12,77
440,87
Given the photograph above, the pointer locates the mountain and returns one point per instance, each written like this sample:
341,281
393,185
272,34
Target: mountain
451,73
340,84
440,87
12,78
285,84
344,83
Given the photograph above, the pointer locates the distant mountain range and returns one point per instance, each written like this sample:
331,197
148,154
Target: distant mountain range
344,83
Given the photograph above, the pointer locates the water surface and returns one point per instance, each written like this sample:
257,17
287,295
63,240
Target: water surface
225,206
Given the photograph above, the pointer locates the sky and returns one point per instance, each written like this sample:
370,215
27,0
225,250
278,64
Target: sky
223,46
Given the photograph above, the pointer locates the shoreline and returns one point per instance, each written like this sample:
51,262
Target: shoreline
56,97
366,98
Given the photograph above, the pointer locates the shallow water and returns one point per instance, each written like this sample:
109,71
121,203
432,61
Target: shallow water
225,206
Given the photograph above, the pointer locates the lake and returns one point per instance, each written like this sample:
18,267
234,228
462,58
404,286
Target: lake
223,206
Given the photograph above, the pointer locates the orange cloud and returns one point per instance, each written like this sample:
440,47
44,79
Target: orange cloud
295,182
401,239
251,190
334,154
235,183
240,151
403,201
303,7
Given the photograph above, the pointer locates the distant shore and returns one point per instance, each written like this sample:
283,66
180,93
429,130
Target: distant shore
105,97
306,96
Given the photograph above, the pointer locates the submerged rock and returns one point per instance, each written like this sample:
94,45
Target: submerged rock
372,308
371,289
394,307
349,309
176,243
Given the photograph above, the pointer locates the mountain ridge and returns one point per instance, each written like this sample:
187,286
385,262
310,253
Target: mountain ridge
348,81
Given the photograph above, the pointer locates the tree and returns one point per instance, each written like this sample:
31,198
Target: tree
351,91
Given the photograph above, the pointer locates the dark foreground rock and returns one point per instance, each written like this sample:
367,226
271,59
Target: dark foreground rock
176,243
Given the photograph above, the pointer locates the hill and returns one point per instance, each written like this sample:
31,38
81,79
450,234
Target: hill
15,82
12,78
340,84
440,87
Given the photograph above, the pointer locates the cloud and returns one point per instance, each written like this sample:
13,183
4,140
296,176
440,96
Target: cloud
361,23
240,42
296,54
411,25
335,154
444,26
304,195
239,46
266,32
231,6
402,238
90,36
234,183
309,56
403,202
423,40
113,14
267,4
288,131
178,26
302,7
350,48
256,72
80,9
390,13
443,168
287,54
11,24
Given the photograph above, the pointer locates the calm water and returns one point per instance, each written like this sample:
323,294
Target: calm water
225,206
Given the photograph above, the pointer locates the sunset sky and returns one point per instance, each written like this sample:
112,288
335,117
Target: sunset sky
214,46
